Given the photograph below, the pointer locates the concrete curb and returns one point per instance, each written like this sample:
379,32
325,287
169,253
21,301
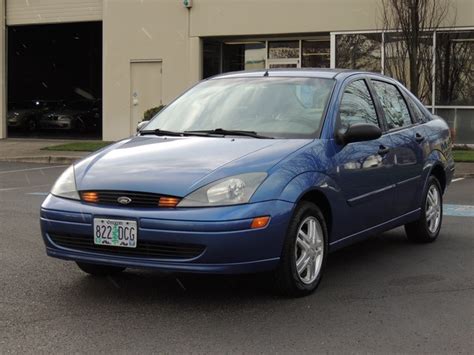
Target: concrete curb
42,159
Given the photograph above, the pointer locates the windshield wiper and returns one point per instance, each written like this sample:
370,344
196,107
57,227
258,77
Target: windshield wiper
231,132
161,132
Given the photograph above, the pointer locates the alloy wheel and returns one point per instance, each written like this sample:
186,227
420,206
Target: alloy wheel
309,250
433,209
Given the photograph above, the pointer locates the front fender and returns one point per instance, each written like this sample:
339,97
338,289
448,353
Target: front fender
317,182
306,182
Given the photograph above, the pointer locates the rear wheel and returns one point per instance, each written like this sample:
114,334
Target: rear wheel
99,270
426,229
304,252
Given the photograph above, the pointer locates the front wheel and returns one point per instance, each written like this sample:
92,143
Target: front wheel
426,229
99,270
304,252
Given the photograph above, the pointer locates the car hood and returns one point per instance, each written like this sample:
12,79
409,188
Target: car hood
177,166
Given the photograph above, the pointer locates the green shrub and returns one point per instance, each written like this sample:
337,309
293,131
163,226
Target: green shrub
150,113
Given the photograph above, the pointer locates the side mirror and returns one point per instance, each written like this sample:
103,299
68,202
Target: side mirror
359,132
141,124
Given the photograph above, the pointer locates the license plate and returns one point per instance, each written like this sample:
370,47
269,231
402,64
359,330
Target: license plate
115,232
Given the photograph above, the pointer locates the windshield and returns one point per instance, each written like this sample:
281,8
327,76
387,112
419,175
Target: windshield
273,107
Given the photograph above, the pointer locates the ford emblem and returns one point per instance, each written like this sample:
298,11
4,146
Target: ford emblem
124,200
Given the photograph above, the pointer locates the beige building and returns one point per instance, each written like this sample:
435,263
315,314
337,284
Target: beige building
152,50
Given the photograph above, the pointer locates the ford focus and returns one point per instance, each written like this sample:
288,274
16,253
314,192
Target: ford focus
265,171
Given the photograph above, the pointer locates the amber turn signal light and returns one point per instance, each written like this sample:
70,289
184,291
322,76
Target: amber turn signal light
260,222
169,202
90,197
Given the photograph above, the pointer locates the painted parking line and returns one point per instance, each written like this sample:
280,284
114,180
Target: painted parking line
32,169
38,193
23,187
458,179
458,210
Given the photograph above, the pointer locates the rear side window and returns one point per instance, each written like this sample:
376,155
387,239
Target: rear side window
418,115
357,106
393,104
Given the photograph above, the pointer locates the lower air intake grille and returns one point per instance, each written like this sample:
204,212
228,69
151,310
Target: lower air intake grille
146,249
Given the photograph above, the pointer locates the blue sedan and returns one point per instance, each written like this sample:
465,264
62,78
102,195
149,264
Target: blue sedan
256,171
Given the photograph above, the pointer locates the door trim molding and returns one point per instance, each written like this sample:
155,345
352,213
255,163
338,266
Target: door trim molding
362,198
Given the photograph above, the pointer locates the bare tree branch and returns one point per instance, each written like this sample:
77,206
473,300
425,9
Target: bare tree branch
408,47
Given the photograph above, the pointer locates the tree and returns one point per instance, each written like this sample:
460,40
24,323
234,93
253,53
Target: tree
409,26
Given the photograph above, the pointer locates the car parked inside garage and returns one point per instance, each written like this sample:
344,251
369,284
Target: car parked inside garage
26,115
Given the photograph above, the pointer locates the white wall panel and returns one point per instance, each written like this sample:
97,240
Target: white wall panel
23,12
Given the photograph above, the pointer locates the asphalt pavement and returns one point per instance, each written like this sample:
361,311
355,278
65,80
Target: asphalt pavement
384,295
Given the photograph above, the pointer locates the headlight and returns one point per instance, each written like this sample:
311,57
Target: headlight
65,186
229,191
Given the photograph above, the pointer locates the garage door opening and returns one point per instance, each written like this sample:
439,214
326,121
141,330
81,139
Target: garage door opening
55,81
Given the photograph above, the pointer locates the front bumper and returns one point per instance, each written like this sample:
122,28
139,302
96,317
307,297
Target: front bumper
230,245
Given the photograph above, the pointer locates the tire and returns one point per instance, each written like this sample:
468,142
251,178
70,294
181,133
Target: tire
289,281
426,229
100,270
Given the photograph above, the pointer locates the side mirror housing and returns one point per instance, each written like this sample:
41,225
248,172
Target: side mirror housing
359,132
141,124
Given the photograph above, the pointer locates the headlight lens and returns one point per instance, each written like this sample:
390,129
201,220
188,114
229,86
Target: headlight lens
65,186
229,191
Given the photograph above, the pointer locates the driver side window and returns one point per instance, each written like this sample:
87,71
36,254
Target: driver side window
357,106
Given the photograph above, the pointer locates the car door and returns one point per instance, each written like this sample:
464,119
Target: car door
363,170
408,139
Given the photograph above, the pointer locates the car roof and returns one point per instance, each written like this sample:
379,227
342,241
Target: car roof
303,72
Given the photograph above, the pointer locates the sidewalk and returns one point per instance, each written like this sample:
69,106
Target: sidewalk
29,151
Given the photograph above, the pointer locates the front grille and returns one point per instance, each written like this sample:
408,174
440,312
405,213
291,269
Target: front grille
144,248
136,199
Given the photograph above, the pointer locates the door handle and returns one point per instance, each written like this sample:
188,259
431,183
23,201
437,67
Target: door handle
383,150
419,138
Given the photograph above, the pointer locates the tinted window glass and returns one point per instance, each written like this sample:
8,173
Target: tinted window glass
357,105
393,104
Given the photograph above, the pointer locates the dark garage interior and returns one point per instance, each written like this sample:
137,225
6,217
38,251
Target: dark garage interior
55,80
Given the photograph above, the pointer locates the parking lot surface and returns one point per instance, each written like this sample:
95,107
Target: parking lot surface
384,295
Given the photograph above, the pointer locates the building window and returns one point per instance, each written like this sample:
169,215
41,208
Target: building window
221,56
397,64
211,55
359,51
243,56
455,68
283,49
315,53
